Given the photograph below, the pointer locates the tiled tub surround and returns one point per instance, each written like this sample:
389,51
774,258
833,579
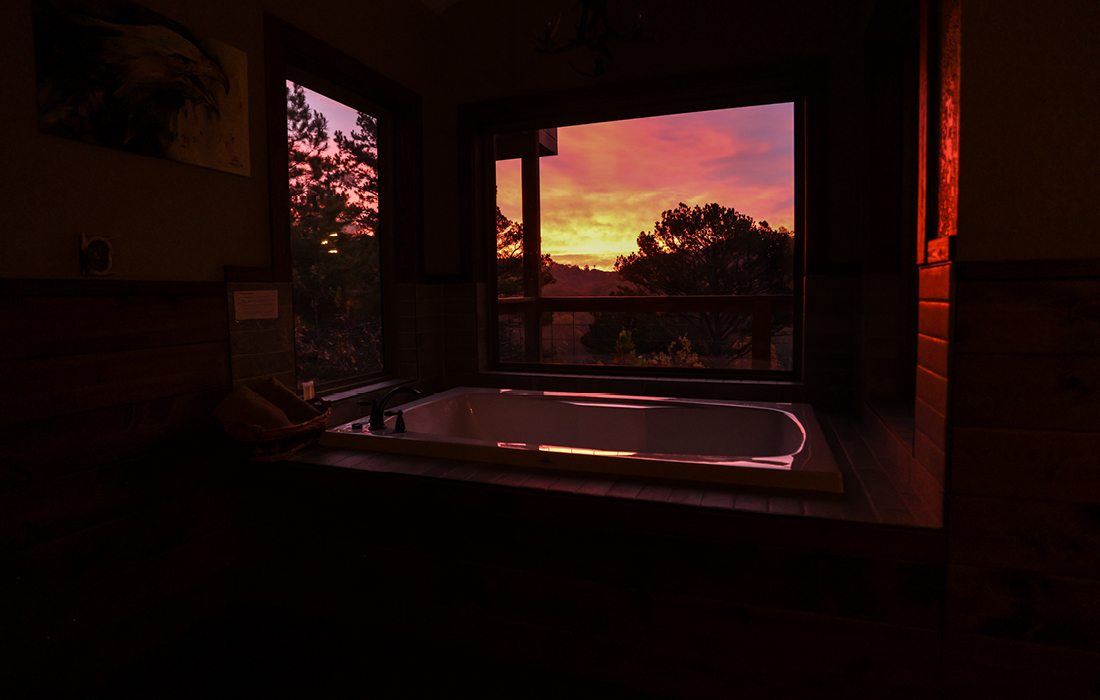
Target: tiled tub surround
749,444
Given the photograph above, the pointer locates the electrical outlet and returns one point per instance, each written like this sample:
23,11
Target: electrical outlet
96,257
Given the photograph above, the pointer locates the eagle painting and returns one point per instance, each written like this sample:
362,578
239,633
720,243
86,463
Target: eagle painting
121,76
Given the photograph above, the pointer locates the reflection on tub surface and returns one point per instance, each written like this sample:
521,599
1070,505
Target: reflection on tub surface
775,445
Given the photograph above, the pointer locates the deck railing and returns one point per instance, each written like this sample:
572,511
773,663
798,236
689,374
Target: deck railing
762,308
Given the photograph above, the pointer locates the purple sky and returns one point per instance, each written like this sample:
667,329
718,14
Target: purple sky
340,117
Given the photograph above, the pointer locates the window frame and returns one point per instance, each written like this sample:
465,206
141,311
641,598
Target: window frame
291,54
801,85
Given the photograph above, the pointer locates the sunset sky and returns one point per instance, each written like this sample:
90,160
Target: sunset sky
339,116
612,180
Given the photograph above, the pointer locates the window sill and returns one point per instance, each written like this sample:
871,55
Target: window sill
684,387
357,391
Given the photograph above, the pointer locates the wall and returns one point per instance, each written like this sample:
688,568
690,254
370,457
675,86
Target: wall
1023,479
113,534
598,595
169,220
1024,405
1029,147
492,56
118,528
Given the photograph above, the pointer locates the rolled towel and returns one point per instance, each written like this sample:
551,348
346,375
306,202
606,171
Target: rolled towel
244,407
295,408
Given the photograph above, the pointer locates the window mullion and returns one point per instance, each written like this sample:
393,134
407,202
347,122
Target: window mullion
532,244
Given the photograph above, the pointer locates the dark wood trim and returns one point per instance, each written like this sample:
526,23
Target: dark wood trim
240,273
278,187
922,134
940,249
26,287
746,86
803,205
546,369
1018,270
930,45
685,303
531,189
480,217
761,334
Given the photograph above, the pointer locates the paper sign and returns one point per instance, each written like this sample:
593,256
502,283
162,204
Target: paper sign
260,304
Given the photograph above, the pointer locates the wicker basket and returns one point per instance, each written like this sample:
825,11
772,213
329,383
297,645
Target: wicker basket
272,445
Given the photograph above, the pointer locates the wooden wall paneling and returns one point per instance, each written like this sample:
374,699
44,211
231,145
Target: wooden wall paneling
932,388
62,324
931,422
934,282
1024,579
56,386
1037,316
1025,606
1059,539
933,353
43,449
982,666
106,370
1027,464
1041,392
933,318
101,366
930,456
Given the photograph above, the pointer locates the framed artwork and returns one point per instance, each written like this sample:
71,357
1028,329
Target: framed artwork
118,75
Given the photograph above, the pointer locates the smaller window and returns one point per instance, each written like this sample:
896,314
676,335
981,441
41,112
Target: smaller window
335,263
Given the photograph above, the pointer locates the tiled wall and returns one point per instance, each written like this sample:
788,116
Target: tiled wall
446,334
1023,512
831,332
261,348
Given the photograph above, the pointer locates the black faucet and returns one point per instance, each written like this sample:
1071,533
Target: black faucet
378,408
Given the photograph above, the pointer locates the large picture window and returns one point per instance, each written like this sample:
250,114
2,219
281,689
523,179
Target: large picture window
667,243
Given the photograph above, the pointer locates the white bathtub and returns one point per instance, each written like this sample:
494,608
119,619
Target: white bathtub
774,445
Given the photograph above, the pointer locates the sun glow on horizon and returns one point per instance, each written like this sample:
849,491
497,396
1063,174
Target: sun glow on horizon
612,180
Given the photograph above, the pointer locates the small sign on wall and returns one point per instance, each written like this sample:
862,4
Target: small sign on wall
256,305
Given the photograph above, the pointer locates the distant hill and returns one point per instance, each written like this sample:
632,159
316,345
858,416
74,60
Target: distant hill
570,280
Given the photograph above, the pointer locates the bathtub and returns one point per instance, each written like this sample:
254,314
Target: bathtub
774,445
